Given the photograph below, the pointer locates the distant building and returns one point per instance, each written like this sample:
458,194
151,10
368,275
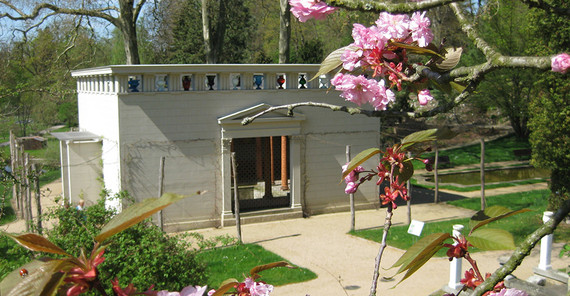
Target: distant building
131,116
32,143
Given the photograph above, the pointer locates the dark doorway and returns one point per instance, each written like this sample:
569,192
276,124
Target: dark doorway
262,166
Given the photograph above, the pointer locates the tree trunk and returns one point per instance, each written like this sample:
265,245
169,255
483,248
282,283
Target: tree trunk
284,31
219,31
128,27
210,57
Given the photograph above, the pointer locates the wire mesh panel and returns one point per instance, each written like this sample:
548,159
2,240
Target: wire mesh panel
262,168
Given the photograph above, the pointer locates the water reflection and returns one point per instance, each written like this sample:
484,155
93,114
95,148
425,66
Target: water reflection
492,176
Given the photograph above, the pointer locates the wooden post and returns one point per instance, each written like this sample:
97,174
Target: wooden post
27,193
20,178
160,190
14,165
236,197
351,196
436,196
409,202
272,160
37,194
267,169
483,202
284,180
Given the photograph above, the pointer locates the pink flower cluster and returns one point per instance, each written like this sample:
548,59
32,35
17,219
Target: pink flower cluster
250,287
509,292
376,49
351,179
307,9
360,90
188,291
561,63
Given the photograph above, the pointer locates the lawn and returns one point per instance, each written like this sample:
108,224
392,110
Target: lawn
237,260
497,150
519,225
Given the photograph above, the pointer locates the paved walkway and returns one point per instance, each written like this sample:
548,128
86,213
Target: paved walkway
344,263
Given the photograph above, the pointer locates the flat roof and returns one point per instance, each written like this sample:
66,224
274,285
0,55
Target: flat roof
77,136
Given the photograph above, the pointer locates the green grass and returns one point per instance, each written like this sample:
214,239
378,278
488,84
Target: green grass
495,151
519,225
8,214
236,261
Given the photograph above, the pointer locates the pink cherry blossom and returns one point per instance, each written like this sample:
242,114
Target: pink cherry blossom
260,289
367,37
509,292
424,97
561,63
351,59
193,291
393,26
360,90
356,89
419,25
307,9
351,187
385,96
353,175
187,291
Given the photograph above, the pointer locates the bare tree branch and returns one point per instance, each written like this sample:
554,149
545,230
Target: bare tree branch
100,13
381,6
138,10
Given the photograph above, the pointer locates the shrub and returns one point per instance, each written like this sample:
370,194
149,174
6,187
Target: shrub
142,255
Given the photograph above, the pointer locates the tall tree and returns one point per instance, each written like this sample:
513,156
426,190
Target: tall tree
550,109
35,74
222,35
124,17
506,28
284,31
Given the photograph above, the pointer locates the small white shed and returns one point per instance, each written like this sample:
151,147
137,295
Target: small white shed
288,165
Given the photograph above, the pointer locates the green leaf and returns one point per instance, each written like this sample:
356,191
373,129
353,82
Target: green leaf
37,243
427,136
225,286
405,173
332,61
457,86
419,247
491,214
359,159
415,49
492,239
420,262
446,87
450,59
418,254
44,278
254,271
135,214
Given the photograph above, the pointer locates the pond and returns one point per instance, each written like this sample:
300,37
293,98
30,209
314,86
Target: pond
492,176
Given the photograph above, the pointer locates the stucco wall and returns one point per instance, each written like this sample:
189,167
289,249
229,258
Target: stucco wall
183,127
